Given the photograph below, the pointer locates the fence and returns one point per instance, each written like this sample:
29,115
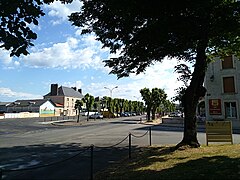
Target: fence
91,148
56,118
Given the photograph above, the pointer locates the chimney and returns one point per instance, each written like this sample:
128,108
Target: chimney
74,88
80,91
54,89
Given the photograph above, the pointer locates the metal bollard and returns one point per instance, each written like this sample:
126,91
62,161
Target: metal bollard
91,163
150,136
1,173
129,146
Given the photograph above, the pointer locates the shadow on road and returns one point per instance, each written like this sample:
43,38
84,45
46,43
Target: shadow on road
57,161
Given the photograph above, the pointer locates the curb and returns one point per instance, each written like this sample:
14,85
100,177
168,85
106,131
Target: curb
59,121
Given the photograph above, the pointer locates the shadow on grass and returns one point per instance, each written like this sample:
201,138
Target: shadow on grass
146,167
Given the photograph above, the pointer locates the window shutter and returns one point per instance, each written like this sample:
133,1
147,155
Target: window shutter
227,62
228,85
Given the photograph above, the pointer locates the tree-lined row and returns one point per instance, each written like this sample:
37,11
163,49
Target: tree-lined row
113,105
155,102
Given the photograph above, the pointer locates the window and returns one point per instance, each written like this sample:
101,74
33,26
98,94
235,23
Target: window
73,103
227,62
228,85
230,109
67,102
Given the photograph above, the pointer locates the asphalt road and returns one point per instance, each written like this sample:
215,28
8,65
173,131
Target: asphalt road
63,149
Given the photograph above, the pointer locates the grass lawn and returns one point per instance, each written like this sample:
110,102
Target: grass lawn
160,162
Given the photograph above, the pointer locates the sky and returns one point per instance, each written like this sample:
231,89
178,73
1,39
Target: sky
61,55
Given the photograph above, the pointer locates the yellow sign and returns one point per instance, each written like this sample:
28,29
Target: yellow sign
219,131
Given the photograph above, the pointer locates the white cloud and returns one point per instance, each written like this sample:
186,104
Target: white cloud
19,95
78,84
5,57
74,53
159,75
7,61
62,11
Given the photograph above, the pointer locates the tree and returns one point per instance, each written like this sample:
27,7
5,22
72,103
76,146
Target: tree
117,105
169,106
121,106
130,106
185,77
146,96
78,107
89,101
153,99
146,32
104,103
135,106
126,105
109,103
141,107
158,97
16,15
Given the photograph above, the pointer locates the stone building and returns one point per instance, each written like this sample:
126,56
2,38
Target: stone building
222,82
64,99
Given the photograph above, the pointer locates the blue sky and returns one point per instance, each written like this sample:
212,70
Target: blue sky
61,55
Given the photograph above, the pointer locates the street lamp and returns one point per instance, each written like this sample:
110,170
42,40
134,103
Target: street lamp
111,90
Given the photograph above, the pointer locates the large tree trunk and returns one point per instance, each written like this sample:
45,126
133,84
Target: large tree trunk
78,116
153,113
148,114
191,98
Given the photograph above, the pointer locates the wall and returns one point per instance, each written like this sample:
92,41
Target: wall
20,115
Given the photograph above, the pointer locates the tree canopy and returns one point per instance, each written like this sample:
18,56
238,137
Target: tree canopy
146,32
16,16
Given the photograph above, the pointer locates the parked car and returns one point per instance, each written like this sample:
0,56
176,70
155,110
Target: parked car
175,114
96,116
134,114
85,113
126,114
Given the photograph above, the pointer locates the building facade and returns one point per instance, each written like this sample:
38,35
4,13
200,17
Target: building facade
44,107
64,99
222,81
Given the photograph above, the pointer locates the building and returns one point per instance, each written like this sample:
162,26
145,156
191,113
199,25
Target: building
64,99
44,107
222,82
3,106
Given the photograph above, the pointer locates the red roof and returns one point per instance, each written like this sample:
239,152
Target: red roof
59,105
